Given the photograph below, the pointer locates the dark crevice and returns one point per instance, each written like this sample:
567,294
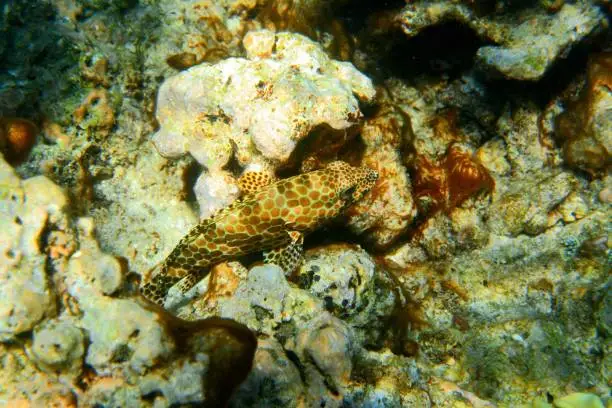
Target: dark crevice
355,14
151,396
291,356
444,49
190,177
332,234
327,380
560,75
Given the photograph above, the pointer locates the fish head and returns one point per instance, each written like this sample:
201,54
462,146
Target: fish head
351,183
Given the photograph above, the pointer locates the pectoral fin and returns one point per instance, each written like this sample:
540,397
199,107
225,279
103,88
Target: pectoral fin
288,257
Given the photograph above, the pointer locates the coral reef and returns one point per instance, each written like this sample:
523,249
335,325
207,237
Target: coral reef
474,274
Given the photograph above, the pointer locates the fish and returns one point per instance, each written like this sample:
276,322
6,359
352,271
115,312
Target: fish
270,216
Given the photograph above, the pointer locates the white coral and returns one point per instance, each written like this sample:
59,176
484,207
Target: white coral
257,108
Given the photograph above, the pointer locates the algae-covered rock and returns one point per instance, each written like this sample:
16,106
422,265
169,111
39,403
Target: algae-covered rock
528,210
386,213
58,345
352,288
585,127
28,209
120,331
524,49
530,49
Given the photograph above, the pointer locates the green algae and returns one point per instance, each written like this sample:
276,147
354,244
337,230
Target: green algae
575,400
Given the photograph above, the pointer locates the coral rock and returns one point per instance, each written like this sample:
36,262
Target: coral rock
528,210
27,207
387,211
524,51
532,47
257,110
58,345
585,128
351,286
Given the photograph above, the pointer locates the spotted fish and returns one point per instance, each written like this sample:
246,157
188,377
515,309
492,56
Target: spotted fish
269,217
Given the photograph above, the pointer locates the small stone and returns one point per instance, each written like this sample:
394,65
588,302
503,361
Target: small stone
328,344
215,190
58,345
108,274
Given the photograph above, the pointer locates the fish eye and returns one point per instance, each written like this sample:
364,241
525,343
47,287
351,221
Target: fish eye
348,193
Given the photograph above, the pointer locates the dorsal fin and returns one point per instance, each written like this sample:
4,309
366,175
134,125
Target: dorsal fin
253,181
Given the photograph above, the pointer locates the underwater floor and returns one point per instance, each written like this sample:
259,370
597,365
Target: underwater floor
305,203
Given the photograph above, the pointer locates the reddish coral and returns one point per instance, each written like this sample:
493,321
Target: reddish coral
96,112
429,185
17,137
583,128
465,177
447,184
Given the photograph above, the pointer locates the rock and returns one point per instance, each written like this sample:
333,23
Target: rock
122,333
260,301
256,109
528,210
113,392
25,297
519,129
26,209
214,191
108,274
585,127
274,381
58,345
325,348
351,287
329,346
97,270
533,46
146,213
387,211
212,345
523,51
